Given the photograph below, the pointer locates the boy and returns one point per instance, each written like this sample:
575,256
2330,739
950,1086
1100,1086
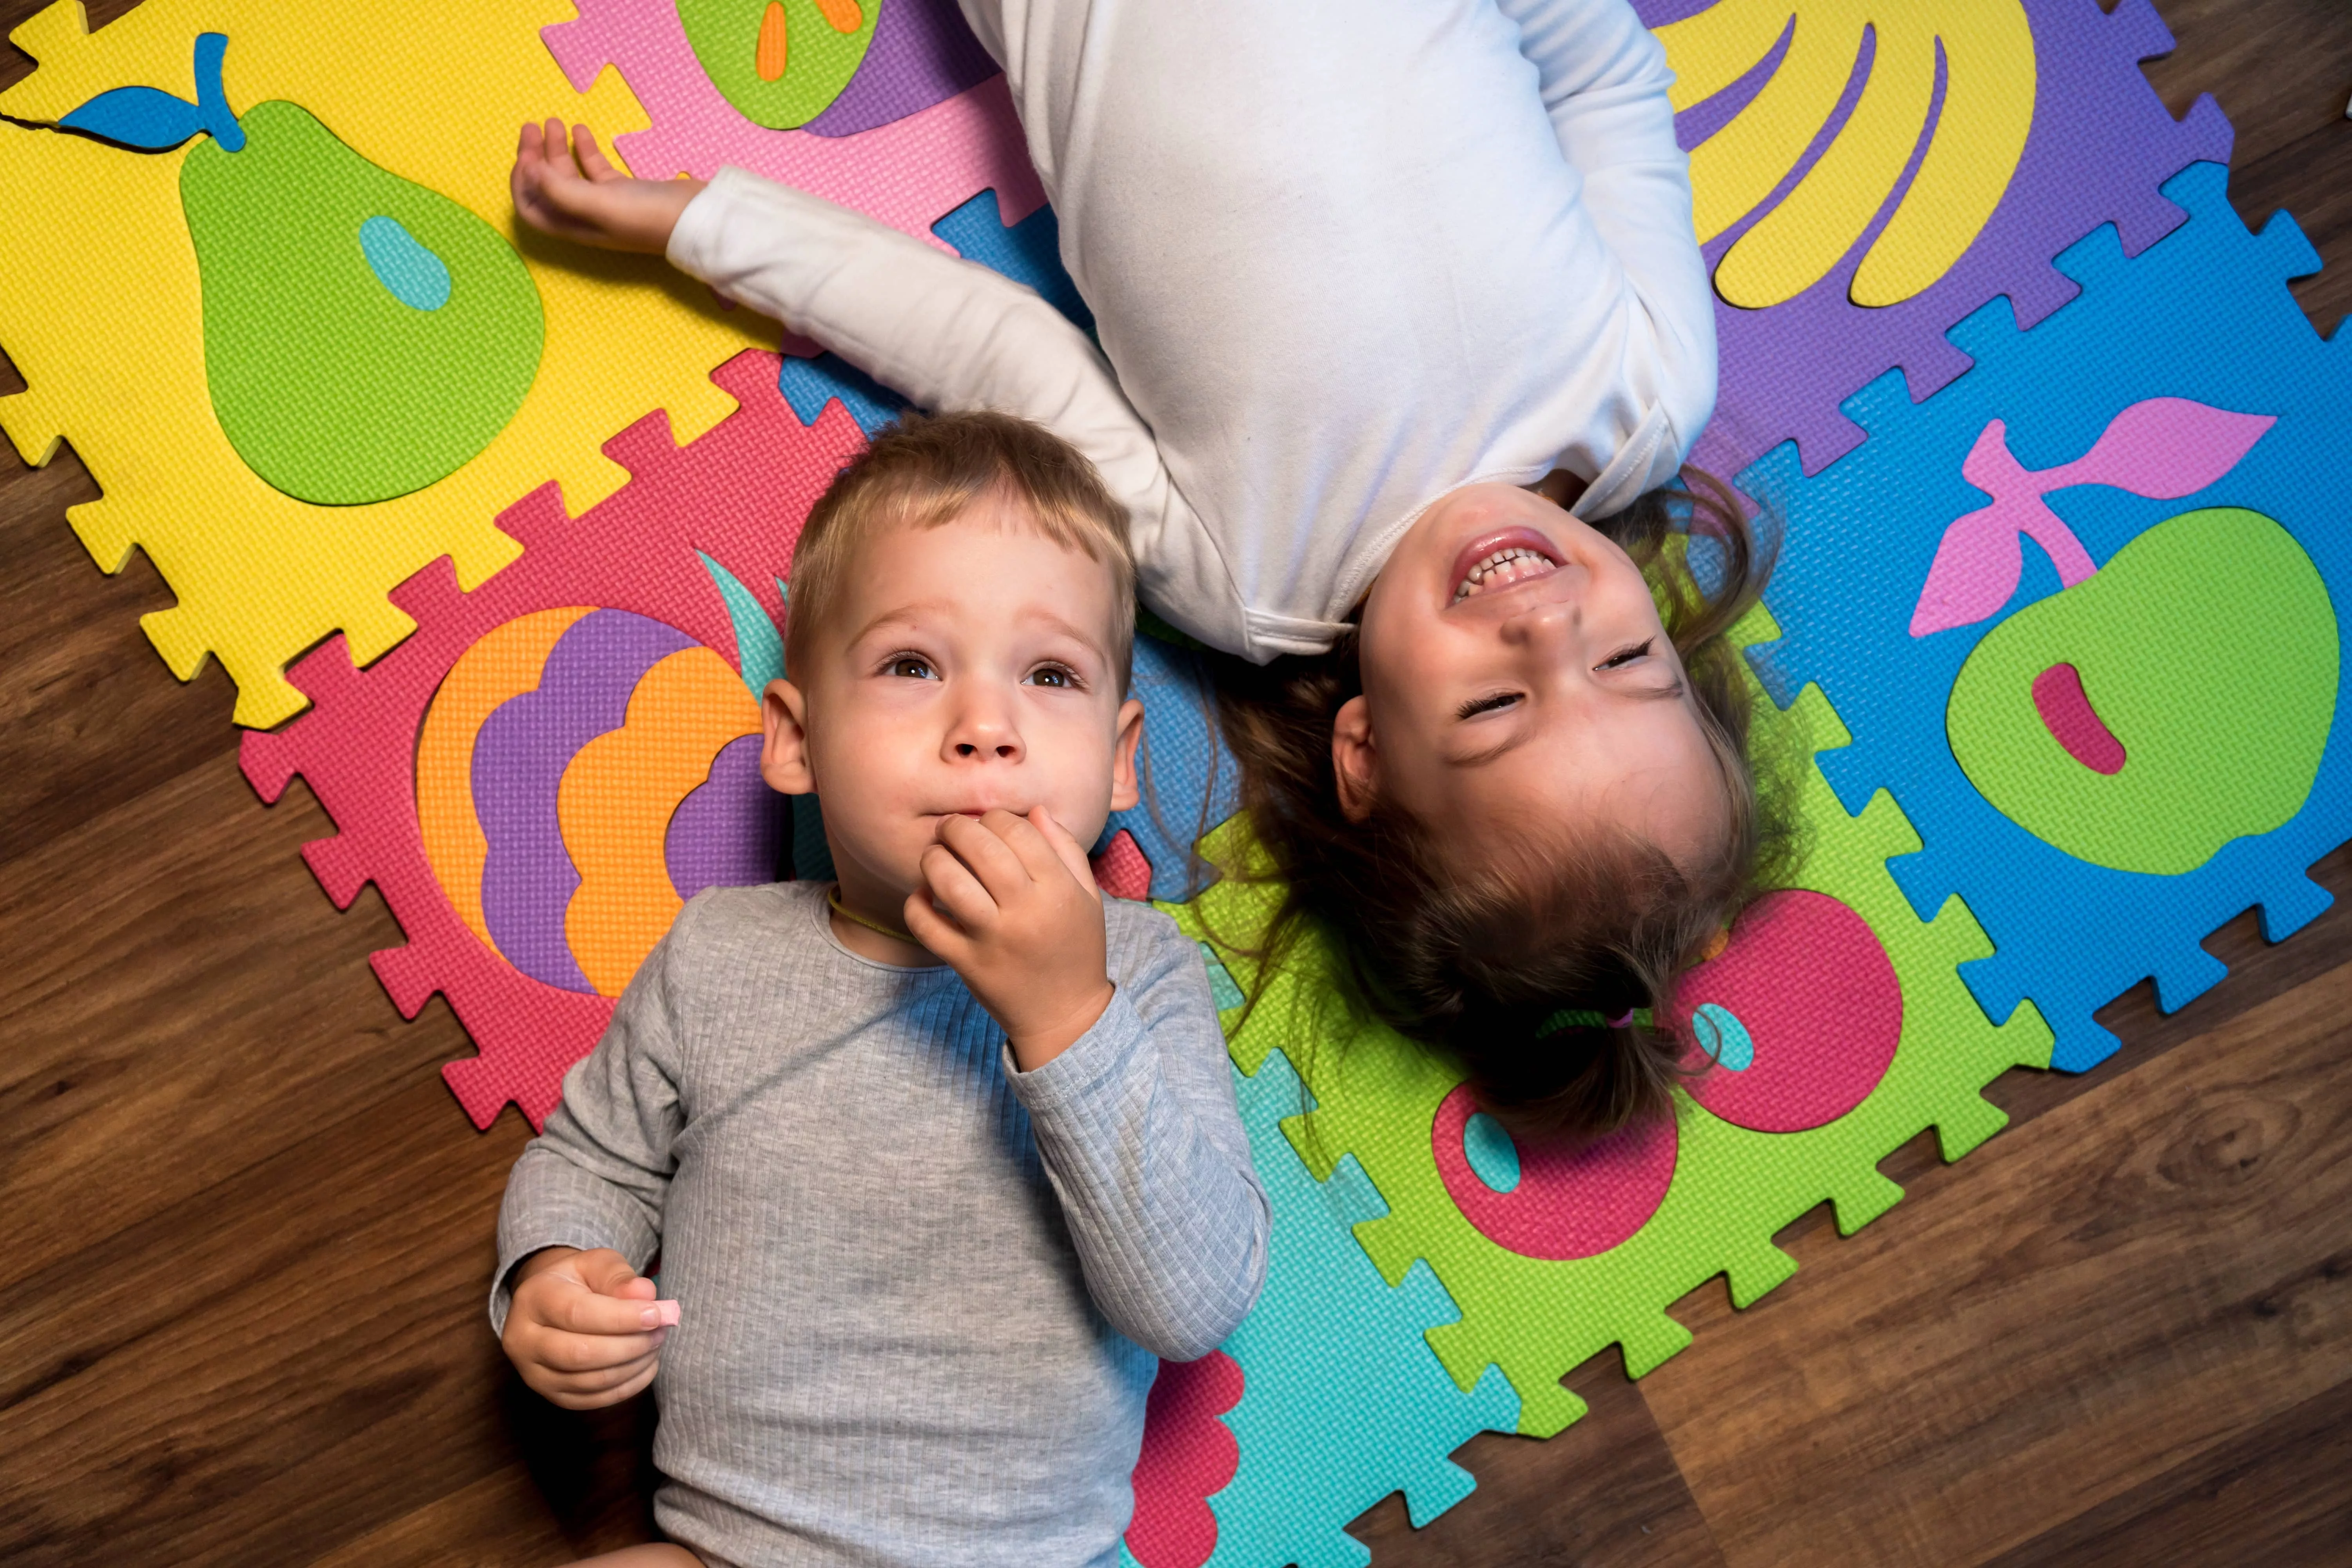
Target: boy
936,1160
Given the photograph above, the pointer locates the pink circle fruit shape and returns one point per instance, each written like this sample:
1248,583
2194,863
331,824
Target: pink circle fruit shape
1805,993
1569,1201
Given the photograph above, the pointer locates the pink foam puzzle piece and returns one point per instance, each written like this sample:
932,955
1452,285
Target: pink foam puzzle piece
908,173
1122,870
737,494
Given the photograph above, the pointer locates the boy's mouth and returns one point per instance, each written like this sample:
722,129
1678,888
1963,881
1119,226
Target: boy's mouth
1498,561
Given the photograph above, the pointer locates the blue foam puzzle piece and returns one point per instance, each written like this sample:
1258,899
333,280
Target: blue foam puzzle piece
1343,1402
2202,314
808,384
1191,780
1029,252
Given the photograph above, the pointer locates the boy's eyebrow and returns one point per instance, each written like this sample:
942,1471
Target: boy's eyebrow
1094,640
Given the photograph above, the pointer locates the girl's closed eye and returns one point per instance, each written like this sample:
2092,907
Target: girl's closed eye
1625,656
1478,705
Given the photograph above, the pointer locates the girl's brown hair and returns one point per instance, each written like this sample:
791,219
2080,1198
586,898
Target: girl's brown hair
1550,981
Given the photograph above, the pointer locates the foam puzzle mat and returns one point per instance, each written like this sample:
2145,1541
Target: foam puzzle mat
2032,414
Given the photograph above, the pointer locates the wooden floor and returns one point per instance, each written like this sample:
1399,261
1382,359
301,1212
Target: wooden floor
248,1231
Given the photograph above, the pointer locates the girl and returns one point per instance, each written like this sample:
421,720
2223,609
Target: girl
1402,328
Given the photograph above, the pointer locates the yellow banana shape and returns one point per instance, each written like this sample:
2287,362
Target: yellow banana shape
1981,133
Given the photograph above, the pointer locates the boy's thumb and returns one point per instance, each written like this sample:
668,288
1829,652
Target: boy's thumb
607,1273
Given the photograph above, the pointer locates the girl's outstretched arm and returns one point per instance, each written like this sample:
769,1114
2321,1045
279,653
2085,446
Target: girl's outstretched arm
1604,82
949,333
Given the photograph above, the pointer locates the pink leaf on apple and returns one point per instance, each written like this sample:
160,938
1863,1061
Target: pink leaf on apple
2161,447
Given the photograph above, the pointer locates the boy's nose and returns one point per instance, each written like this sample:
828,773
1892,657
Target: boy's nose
983,730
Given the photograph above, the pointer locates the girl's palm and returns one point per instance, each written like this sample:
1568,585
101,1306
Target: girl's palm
567,186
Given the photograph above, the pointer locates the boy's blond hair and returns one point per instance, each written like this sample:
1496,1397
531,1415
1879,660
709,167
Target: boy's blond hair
926,471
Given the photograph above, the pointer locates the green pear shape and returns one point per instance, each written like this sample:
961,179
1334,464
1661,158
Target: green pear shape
363,336
780,62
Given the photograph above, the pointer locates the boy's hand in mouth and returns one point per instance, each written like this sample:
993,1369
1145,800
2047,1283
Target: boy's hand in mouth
1011,904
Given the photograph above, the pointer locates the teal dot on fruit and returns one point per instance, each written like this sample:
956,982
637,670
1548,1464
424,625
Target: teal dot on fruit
410,273
2179,698
1719,1033
1487,1145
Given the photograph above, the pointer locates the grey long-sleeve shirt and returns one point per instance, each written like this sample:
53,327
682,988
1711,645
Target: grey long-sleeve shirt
921,1290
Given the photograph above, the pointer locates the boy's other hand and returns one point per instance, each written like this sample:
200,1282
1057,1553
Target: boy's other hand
587,199
1012,904
584,1328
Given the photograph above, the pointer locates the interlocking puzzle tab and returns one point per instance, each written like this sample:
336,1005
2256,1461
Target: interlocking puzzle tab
1860,183
540,776
1340,1403
1840,1031
117,289
2105,772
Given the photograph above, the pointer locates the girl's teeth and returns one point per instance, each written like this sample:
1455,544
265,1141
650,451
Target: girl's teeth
1500,567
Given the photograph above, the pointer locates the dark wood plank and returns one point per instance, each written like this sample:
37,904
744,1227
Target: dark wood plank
289,1358
2087,1302
2282,72
1605,1491
2280,1495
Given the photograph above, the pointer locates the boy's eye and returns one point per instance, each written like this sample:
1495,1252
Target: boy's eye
1625,656
1058,676
1478,705
910,666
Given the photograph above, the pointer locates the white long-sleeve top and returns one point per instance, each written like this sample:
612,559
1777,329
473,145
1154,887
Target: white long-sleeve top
1344,256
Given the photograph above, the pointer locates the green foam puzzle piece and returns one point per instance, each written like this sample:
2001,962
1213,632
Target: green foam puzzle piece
1378,1095
363,336
780,62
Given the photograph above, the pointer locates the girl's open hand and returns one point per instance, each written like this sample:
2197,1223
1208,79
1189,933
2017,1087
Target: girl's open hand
584,1330
1010,902
568,187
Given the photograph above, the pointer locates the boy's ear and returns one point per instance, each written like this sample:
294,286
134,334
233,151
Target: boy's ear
783,746
1124,790
1354,761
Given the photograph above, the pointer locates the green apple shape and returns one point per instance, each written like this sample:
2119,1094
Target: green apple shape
2199,662
363,336
780,62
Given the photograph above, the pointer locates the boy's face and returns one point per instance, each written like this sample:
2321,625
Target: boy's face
964,667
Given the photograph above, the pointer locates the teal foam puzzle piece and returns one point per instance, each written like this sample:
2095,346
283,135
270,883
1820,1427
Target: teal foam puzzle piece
1344,1401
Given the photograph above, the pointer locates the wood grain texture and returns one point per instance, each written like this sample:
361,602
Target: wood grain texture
2116,1287
249,1229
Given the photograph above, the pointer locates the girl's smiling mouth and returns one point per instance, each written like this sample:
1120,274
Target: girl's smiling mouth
1493,562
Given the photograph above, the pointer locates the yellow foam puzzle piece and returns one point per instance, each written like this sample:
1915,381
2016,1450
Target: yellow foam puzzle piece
1978,137
102,311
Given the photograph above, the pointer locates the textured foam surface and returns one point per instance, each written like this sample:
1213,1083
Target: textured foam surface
734,497
2202,316
1341,1403
922,53
2099,143
905,173
1584,1251
103,313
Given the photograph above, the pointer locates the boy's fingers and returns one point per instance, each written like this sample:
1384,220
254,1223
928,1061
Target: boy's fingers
986,846
1067,849
932,928
956,890
587,1312
584,1355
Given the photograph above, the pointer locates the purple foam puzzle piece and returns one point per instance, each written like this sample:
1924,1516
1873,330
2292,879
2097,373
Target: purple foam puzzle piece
921,54
729,831
2100,145
519,756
